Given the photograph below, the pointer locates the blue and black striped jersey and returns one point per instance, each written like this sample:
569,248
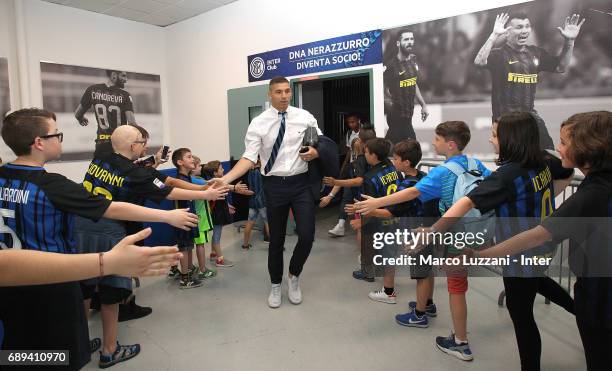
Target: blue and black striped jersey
37,209
521,197
413,208
381,180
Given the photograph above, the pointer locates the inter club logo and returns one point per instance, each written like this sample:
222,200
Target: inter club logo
257,67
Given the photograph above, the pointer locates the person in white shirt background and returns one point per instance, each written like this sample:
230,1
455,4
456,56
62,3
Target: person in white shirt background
353,123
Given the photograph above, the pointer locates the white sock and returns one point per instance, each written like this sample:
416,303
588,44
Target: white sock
341,222
459,341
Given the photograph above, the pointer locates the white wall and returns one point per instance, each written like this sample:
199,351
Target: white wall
198,59
207,55
71,36
8,48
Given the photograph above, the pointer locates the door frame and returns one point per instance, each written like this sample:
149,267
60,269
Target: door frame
297,91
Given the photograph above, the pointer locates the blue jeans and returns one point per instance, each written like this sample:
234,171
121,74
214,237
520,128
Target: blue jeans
217,229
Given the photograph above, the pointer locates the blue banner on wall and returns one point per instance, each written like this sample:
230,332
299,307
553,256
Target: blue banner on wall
354,50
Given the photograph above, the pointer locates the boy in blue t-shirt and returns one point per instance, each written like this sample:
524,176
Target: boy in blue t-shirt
450,140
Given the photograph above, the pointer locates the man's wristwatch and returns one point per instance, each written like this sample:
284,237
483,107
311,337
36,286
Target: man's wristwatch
331,195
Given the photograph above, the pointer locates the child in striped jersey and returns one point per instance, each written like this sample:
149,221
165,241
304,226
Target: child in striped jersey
450,140
382,179
521,191
51,316
584,219
353,185
406,155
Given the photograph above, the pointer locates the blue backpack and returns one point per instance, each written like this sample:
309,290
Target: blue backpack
468,179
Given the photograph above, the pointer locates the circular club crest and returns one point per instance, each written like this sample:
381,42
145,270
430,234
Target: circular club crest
257,67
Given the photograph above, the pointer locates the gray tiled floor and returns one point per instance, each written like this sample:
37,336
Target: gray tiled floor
227,325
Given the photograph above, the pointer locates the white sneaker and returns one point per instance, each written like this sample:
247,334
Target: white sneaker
380,295
274,300
337,231
295,294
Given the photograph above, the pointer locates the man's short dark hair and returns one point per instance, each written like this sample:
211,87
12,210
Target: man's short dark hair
518,15
457,131
178,155
20,128
403,31
352,114
109,73
143,132
408,149
277,80
379,147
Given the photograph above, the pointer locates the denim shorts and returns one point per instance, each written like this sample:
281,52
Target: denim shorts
254,213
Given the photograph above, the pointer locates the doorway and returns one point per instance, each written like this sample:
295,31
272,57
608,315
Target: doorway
331,98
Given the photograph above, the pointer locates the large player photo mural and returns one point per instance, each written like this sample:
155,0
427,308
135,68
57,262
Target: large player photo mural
91,102
551,58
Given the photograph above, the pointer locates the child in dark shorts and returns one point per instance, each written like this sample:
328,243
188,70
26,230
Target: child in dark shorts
185,164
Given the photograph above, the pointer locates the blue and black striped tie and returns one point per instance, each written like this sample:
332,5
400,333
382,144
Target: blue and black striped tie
277,143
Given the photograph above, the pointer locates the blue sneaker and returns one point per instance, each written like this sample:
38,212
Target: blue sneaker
449,346
430,309
361,275
122,353
410,319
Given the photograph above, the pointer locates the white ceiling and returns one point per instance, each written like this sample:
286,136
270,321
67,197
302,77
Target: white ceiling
155,12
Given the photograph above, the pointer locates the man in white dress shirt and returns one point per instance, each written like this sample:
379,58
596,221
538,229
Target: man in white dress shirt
276,136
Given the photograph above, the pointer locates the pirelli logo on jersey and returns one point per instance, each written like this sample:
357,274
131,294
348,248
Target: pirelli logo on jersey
523,78
408,82
105,176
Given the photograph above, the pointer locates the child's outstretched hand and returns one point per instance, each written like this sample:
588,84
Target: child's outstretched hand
349,209
325,200
128,259
214,194
366,206
242,189
181,218
356,224
329,181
